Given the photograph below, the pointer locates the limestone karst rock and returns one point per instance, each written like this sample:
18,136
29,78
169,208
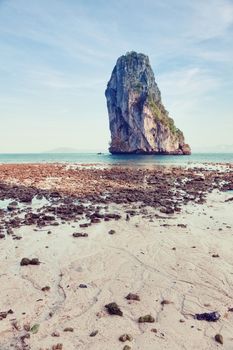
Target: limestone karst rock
139,123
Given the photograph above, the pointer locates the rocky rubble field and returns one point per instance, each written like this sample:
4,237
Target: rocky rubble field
117,257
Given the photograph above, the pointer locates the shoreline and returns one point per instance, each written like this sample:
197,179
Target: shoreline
163,234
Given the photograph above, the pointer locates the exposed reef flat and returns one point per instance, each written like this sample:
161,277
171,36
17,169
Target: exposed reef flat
103,258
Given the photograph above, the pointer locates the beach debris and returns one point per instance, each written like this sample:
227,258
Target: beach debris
4,314
84,225
182,225
55,334
146,319
2,236
154,330
58,346
125,337
94,333
132,296
113,309
167,210
166,302
68,329
26,261
12,206
219,338
82,285
111,232
45,289
215,256
127,347
79,234
35,328
9,231
230,309
127,217
208,316
27,327
229,199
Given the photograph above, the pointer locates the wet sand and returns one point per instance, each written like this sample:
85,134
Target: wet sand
178,263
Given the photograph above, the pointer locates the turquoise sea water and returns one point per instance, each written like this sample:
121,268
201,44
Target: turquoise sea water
106,158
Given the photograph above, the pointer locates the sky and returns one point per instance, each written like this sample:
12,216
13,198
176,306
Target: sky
57,56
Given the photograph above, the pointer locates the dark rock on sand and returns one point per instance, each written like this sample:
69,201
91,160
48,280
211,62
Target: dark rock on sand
93,333
146,319
125,337
208,316
26,261
132,296
79,234
68,329
113,309
219,338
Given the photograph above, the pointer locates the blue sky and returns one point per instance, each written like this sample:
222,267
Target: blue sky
56,57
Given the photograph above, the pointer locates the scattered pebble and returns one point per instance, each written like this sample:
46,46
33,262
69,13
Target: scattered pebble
124,337
208,316
93,333
146,318
219,338
113,309
132,296
55,334
68,329
79,234
26,261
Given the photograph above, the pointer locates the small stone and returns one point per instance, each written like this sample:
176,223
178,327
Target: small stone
146,318
154,330
57,347
94,333
2,236
215,256
132,296
219,338
27,327
79,234
68,329
82,285
127,347
25,262
45,289
113,309
34,261
166,302
125,337
111,232
208,316
55,334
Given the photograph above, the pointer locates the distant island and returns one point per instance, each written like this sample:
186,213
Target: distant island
139,122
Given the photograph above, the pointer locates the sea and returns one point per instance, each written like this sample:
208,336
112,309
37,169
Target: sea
107,158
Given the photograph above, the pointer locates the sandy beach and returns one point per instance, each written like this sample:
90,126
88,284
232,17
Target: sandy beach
164,235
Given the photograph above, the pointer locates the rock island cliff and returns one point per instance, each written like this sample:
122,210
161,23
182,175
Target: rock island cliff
139,122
